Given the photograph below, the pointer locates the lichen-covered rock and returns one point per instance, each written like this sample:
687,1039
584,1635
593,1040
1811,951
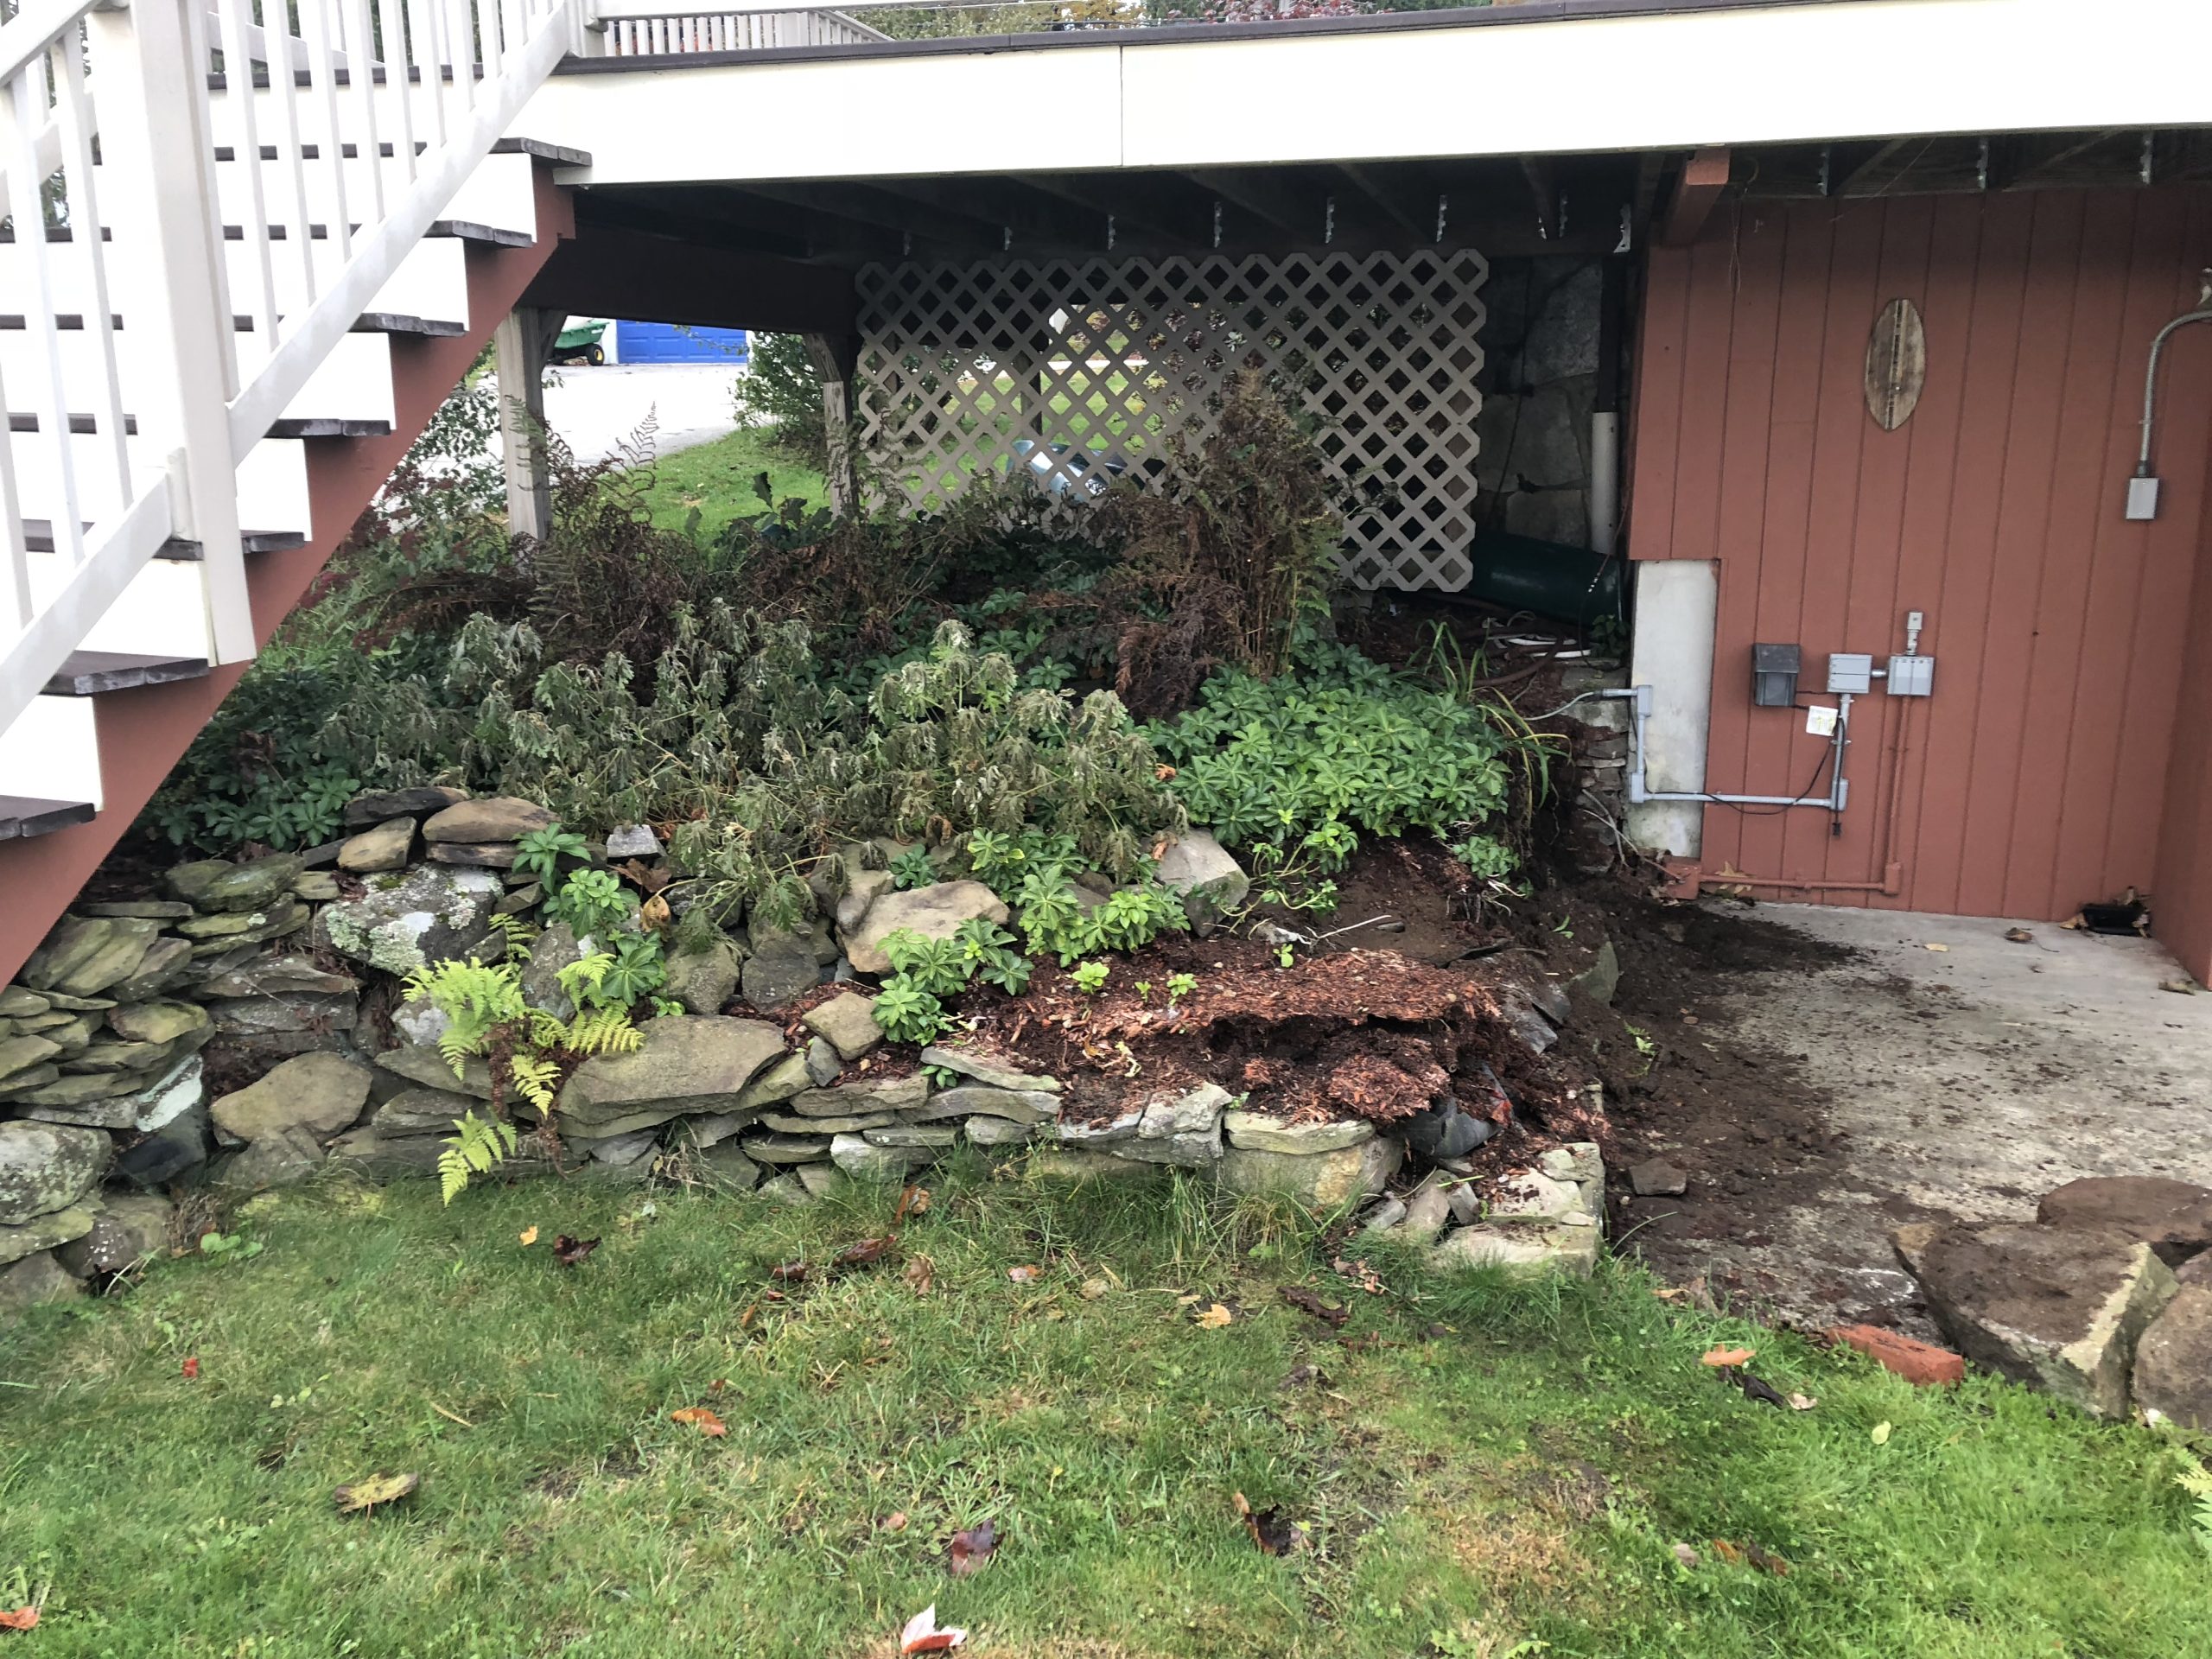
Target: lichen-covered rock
217,885
20,1054
383,848
1323,1180
1180,1128
1520,1251
1256,1132
402,922
44,1232
45,1168
274,977
557,948
848,1020
936,911
21,1002
864,1161
633,841
130,1228
319,1094
157,1022
494,818
84,955
1211,882
687,1063
704,979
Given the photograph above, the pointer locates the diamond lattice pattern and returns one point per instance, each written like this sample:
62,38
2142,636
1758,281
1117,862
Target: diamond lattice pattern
1081,370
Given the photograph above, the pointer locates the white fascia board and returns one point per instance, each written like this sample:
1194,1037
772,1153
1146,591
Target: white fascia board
1744,75
825,119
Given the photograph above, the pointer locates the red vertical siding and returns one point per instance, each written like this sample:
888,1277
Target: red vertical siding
2037,776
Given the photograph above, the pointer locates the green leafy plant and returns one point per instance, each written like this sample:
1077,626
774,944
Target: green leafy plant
2196,1480
1486,857
1180,985
1091,977
1143,989
235,1247
907,1013
912,869
540,852
478,1146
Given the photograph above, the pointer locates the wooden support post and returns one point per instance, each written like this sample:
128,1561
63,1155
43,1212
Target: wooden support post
522,345
1704,176
834,358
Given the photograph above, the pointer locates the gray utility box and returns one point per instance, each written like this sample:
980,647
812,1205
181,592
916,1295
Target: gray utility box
1850,671
1912,676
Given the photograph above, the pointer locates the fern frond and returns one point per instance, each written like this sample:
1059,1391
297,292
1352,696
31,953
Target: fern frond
602,1030
477,1146
534,1075
581,977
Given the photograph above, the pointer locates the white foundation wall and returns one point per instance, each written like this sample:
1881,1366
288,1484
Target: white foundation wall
1677,603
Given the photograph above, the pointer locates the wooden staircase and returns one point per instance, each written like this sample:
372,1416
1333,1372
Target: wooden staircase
210,365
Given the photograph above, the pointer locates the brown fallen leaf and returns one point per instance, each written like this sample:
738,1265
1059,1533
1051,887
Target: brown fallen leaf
866,1253
920,1275
922,1635
364,1496
23,1618
1024,1275
972,1546
1938,947
1717,1357
1307,1302
790,1272
1214,1318
700,1418
2178,987
569,1251
912,1201
895,1521
1273,1534
1686,1555
654,914
528,1236
2019,936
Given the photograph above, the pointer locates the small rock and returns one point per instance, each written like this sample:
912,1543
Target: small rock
421,1111
864,1161
130,1228
283,1157
557,948
48,1231
984,1130
386,804
862,889
623,1149
1466,1208
315,886
158,1022
783,968
495,818
425,1065
166,964
181,1143
316,1094
936,911
2173,1217
848,1020
781,1082
1602,979
1030,1106
787,1189
385,847
376,1157
1384,1215
1578,1160
822,1066
704,979
1426,1211
1212,883
83,956
1321,1180
1530,1196
474,854
633,841
687,1064
820,1180
1656,1179
726,1165
1522,1251
987,1071
1256,1132
35,1279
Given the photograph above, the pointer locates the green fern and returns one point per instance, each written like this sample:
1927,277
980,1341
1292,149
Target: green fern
477,1146
2196,1480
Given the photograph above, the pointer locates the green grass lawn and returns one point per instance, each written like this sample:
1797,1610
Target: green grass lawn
716,479
1483,1470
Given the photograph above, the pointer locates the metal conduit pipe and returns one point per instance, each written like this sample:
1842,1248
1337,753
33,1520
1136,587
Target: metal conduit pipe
2143,488
1838,790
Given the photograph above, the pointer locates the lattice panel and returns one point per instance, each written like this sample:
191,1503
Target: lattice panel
1081,370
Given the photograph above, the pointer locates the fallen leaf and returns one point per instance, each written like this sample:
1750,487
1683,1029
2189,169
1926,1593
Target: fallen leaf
922,1635
23,1618
1307,1302
1686,1555
972,1546
1772,1563
1803,1402
895,1521
707,1423
912,1201
1881,1434
1093,1289
1274,1534
1023,1276
655,915
569,1251
363,1496
528,1236
1186,1301
1214,1318
1727,1355
790,1272
920,1275
866,1253
718,1385
1732,1554
191,1367
2178,987
2018,935
1937,947
1162,773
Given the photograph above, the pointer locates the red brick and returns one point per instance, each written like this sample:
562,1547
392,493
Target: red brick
1923,1364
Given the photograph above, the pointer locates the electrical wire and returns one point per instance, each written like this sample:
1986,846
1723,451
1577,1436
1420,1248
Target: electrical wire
1828,753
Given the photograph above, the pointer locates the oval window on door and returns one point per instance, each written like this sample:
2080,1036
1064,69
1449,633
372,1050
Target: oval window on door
1896,364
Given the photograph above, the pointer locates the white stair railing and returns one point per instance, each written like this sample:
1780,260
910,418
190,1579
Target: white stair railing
112,115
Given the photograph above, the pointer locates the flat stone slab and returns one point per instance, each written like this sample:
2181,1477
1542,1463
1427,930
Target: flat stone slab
1522,1251
385,847
2059,1309
1256,1132
687,1063
2173,1217
1025,1106
992,1073
493,818
319,1094
893,1095
935,912
45,1168
848,1020
785,1148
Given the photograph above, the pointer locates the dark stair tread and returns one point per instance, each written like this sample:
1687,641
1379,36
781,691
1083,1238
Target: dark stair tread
543,151
88,673
468,229
320,427
38,537
24,816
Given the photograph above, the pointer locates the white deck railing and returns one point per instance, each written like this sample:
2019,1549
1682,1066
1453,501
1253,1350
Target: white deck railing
343,160
640,29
